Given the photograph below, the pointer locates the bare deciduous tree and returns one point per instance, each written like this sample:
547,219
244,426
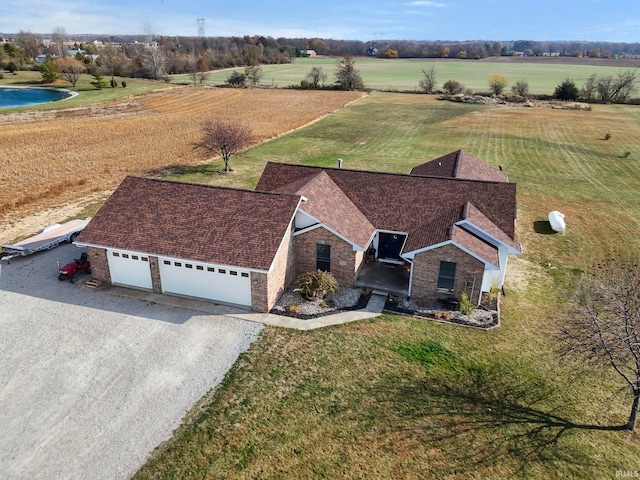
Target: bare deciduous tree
58,37
617,89
29,42
604,329
520,88
428,83
316,76
253,73
223,138
70,68
589,88
453,87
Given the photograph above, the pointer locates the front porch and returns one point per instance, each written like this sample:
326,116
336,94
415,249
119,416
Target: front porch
386,277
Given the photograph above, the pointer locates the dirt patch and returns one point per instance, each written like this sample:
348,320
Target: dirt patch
520,273
13,228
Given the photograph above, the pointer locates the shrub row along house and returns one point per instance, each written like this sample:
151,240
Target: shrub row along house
445,228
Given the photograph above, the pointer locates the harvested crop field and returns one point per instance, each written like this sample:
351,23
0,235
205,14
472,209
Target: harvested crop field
54,157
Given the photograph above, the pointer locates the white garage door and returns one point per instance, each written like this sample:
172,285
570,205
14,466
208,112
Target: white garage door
213,282
129,269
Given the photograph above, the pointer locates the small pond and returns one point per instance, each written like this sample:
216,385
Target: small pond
23,96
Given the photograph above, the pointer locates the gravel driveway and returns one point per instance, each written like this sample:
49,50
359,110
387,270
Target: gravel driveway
91,383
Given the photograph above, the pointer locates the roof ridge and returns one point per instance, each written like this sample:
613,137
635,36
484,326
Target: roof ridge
207,185
396,174
458,161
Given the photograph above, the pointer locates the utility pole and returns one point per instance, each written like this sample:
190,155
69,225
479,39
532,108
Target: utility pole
200,27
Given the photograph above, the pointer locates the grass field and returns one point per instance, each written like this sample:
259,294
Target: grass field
392,397
402,398
88,94
404,74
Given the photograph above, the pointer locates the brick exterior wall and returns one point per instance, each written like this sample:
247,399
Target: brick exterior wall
156,283
259,292
344,261
99,264
266,289
427,266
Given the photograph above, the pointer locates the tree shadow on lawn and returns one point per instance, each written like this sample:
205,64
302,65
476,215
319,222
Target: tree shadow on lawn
482,417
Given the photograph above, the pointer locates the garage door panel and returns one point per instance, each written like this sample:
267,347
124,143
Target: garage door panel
129,269
213,282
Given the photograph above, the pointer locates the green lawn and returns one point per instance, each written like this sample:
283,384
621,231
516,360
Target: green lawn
403,398
404,74
88,94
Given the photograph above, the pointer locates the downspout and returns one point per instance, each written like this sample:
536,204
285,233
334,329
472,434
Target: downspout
410,277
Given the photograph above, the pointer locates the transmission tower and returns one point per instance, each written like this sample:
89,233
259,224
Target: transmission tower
200,27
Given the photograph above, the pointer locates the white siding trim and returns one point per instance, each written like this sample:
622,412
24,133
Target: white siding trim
487,265
486,236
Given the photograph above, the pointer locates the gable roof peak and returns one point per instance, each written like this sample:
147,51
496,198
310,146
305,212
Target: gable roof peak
459,164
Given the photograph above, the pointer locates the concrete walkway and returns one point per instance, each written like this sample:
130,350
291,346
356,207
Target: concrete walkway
373,309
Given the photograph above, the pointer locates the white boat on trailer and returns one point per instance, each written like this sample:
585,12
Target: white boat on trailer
49,237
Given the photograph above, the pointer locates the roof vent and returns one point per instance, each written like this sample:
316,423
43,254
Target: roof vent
439,164
339,163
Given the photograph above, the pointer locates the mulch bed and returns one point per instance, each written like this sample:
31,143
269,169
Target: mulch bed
362,303
446,315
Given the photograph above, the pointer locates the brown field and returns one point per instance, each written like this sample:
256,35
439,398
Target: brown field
55,157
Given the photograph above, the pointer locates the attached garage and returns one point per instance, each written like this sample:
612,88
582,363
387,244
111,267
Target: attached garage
130,269
213,282
237,253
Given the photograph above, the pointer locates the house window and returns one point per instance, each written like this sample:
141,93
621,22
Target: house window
211,269
245,275
231,272
125,255
188,265
177,264
323,257
144,259
199,267
446,276
166,262
134,257
115,254
222,270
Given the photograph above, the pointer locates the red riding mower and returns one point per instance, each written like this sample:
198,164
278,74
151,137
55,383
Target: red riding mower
78,265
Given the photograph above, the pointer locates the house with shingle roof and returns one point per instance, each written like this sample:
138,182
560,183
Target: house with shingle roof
447,227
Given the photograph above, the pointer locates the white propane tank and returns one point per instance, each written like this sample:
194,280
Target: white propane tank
556,219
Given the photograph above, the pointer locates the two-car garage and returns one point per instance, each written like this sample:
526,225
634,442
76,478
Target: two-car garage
213,282
194,279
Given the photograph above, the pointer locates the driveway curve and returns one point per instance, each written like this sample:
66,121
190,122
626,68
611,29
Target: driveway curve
91,383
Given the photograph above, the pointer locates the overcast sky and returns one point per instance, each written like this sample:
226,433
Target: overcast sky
607,20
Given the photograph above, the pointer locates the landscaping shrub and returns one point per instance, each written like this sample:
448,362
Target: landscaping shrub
466,307
316,284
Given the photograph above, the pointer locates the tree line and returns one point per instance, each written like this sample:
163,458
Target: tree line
154,56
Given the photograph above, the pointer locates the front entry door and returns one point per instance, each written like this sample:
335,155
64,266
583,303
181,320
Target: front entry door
390,244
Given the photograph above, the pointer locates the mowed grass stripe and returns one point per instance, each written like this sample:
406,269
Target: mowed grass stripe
364,400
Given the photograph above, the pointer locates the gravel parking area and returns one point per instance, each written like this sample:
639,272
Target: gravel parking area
91,383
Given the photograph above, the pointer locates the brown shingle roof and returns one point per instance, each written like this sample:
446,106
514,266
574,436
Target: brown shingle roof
476,245
328,203
459,164
198,222
476,217
424,207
